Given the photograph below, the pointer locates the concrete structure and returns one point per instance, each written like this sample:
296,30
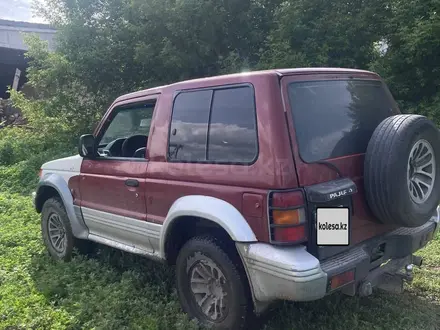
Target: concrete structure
12,49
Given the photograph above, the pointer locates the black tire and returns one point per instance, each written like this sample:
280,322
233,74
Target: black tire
209,249
386,170
54,206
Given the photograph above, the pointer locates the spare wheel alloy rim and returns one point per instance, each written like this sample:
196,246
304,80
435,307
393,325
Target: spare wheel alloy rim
208,286
57,233
421,171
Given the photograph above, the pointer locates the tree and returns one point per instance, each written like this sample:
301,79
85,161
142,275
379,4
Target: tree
111,47
411,63
337,33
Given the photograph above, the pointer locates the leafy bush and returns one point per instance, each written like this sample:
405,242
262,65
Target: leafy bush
22,152
22,177
6,153
17,144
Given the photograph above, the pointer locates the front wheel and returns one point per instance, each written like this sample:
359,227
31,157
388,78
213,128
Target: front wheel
211,285
57,232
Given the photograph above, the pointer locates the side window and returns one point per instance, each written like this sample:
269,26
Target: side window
232,131
214,125
127,131
189,126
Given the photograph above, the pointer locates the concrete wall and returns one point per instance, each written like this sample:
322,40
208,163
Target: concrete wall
11,34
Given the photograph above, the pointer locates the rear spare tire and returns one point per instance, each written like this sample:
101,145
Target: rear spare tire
402,170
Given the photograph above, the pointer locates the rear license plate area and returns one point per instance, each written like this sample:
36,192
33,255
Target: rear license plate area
333,226
324,251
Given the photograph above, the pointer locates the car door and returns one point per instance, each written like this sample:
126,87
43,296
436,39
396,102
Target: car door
113,185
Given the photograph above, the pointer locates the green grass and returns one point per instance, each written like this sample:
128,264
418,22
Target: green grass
114,290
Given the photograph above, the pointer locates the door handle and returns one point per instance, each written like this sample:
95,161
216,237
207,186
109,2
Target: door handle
132,183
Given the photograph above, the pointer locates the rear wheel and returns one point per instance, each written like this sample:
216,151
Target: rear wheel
57,232
211,285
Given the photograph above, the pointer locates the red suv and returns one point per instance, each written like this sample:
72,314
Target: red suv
282,184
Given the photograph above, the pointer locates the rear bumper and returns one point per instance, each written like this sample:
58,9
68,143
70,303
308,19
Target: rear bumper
291,273
282,273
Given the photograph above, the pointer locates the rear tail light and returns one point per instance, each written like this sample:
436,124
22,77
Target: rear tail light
290,234
287,217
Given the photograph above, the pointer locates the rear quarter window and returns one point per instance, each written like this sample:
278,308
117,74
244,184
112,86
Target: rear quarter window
215,126
232,127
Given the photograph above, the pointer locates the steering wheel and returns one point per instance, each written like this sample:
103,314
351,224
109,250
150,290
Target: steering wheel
132,144
113,149
140,153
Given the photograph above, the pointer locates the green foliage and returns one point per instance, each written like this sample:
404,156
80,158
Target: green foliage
111,47
321,33
62,103
22,177
410,64
23,151
105,292
7,153
107,48
113,290
117,46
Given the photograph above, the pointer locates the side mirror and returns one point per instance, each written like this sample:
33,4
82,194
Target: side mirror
87,146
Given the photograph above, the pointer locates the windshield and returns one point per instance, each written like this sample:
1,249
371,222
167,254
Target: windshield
336,118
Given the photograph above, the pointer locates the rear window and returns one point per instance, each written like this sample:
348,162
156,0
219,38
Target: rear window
336,118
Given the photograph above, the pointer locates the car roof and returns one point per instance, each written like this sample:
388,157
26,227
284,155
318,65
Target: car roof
238,76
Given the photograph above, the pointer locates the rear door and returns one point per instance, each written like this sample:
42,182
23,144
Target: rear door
331,118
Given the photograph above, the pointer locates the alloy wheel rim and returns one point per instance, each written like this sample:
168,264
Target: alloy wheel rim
57,233
208,286
421,171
